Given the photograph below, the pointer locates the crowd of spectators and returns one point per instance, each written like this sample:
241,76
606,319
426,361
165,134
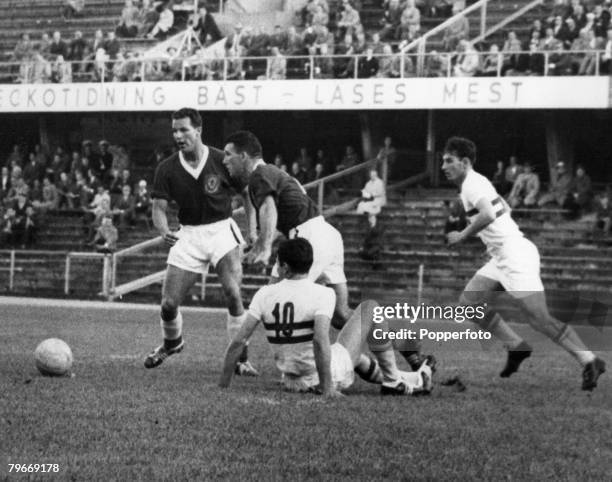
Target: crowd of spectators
93,180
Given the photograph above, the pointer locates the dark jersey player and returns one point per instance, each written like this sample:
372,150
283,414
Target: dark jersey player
280,202
196,179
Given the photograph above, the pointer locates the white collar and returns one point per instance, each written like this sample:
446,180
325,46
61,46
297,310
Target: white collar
260,162
198,170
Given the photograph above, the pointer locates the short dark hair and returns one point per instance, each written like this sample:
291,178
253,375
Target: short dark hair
245,141
462,147
297,254
192,114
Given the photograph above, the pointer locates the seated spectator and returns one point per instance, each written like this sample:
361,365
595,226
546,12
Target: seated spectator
457,31
391,20
437,64
367,67
512,54
125,207
142,202
33,169
467,61
559,189
106,236
603,215
569,32
492,63
411,16
40,70
550,43
23,225
277,65
559,62
58,46
50,197
44,44
62,71
206,25
66,192
163,26
129,22
350,21
298,173
320,18
582,190
73,8
96,212
373,197
525,189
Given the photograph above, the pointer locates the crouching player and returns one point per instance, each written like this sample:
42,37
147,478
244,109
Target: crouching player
296,314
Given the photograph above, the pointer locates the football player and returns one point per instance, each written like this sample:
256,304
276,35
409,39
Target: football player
296,314
196,179
514,265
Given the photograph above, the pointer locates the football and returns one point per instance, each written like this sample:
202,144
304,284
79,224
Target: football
53,357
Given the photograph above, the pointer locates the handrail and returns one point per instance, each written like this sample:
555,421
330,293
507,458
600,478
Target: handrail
510,18
444,25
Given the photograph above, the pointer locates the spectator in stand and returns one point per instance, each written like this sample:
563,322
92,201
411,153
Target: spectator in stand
568,33
537,27
73,8
23,53
125,207
368,65
5,183
16,156
50,197
35,191
319,172
560,62
391,20
602,21
512,53
534,61
491,66
129,22
298,173
550,43
81,193
320,17
23,225
89,158
126,178
58,46
373,198
390,67
56,167
98,41
7,237
99,208
76,51
142,202
603,215
525,189
350,159
559,189
65,192
206,25
350,21
512,171
457,31
40,70
579,16
467,60
112,46
277,65
106,237
163,27
44,44
33,169
606,58
388,153
62,71
582,190
411,16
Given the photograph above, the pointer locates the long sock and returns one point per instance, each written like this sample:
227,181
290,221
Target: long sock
233,327
172,330
368,369
570,341
500,329
386,360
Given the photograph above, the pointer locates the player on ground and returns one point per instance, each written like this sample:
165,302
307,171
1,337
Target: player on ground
296,314
514,264
197,181
280,202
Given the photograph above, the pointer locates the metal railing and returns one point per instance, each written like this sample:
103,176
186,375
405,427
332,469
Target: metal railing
432,64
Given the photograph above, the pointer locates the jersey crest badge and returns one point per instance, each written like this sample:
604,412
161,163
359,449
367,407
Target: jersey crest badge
212,184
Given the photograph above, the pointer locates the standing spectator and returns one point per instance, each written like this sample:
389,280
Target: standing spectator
106,237
126,178
582,190
411,16
491,65
525,189
142,202
112,46
388,153
44,44
73,8
106,159
350,21
58,46
512,171
33,169
499,180
76,51
206,25
350,159
457,31
125,207
98,41
41,69
368,65
559,189
164,25
373,196
129,22
277,66
23,53
23,225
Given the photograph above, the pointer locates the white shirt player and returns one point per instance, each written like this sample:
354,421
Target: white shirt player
288,309
503,228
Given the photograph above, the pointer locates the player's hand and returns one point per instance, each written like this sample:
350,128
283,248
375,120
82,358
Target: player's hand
454,237
170,238
257,256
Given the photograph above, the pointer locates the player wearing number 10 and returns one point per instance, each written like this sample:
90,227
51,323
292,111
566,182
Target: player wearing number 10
296,314
514,266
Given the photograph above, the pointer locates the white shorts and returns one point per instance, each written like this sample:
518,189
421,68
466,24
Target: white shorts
198,246
327,249
342,372
516,266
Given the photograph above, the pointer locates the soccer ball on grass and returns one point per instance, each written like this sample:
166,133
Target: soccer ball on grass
53,357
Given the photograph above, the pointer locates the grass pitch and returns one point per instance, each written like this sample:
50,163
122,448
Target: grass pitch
117,421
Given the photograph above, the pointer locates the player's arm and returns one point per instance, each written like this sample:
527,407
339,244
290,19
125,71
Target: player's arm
160,220
268,217
234,350
322,353
485,216
251,217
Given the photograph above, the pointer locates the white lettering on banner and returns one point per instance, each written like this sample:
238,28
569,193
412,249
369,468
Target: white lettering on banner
414,93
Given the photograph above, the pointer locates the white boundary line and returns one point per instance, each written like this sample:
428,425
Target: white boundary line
99,305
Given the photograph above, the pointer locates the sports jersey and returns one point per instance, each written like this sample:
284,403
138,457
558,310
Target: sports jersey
293,204
476,187
204,195
288,309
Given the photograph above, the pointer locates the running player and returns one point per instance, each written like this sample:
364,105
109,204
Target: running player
296,314
197,181
514,264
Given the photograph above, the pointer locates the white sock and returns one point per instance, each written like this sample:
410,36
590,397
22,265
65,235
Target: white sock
414,380
233,324
173,329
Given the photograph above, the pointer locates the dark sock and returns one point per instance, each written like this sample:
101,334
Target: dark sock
169,344
412,357
244,356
